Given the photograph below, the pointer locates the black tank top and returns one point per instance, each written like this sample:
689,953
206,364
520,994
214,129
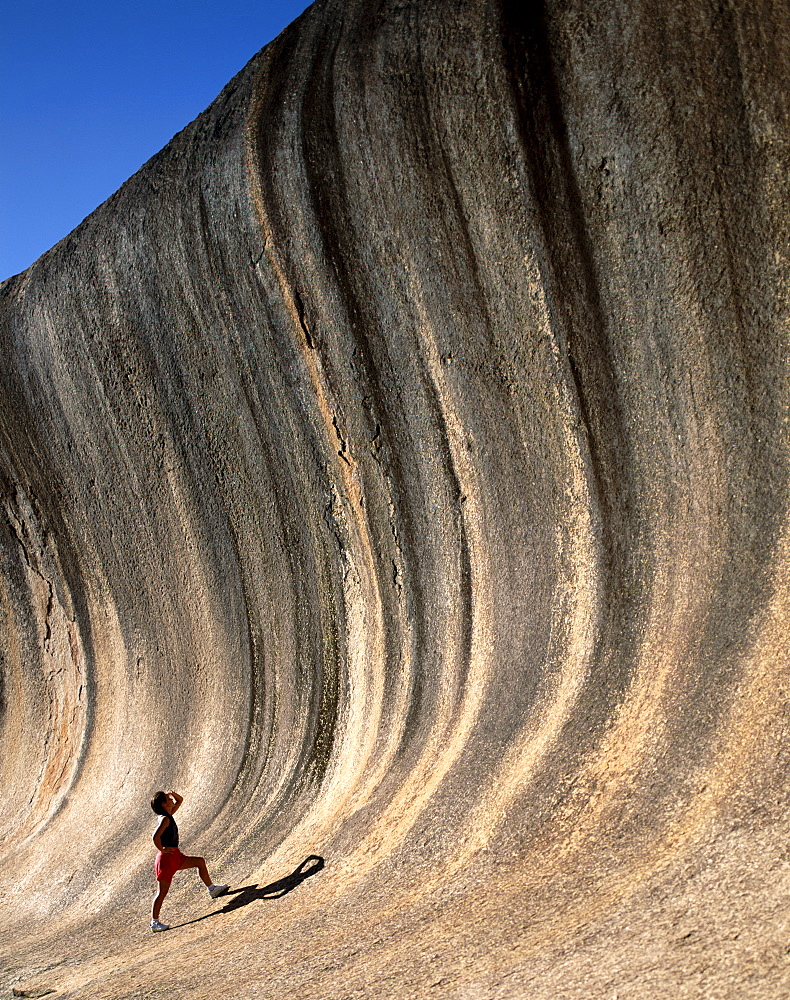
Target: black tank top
169,836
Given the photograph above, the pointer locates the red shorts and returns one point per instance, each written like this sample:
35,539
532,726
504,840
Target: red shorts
167,864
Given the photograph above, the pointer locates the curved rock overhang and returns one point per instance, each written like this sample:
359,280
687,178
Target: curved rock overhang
397,465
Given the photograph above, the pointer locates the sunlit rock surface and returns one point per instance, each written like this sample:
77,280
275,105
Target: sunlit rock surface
397,466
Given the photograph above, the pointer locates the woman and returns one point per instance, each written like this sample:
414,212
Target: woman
170,860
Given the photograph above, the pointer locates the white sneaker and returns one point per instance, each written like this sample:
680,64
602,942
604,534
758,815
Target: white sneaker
157,925
216,890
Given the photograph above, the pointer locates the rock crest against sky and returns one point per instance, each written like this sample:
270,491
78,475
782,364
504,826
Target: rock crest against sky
397,466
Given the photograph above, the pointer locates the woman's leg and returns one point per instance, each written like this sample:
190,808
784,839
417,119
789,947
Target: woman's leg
200,864
159,898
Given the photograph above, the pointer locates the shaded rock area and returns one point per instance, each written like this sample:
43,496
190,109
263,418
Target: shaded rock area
397,466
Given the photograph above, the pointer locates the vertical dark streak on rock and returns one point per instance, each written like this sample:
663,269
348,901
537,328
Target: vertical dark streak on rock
323,164
730,224
21,466
580,322
303,321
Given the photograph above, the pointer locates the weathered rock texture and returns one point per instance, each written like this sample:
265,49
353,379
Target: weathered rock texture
397,466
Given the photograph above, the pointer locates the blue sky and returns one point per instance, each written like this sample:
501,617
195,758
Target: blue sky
90,90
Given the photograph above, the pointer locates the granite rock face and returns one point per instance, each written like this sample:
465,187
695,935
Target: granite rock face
397,466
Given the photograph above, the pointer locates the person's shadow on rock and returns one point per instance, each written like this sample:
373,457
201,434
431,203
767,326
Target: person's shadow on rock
274,890
247,894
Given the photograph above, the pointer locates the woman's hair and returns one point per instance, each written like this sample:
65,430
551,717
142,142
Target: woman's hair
156,803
